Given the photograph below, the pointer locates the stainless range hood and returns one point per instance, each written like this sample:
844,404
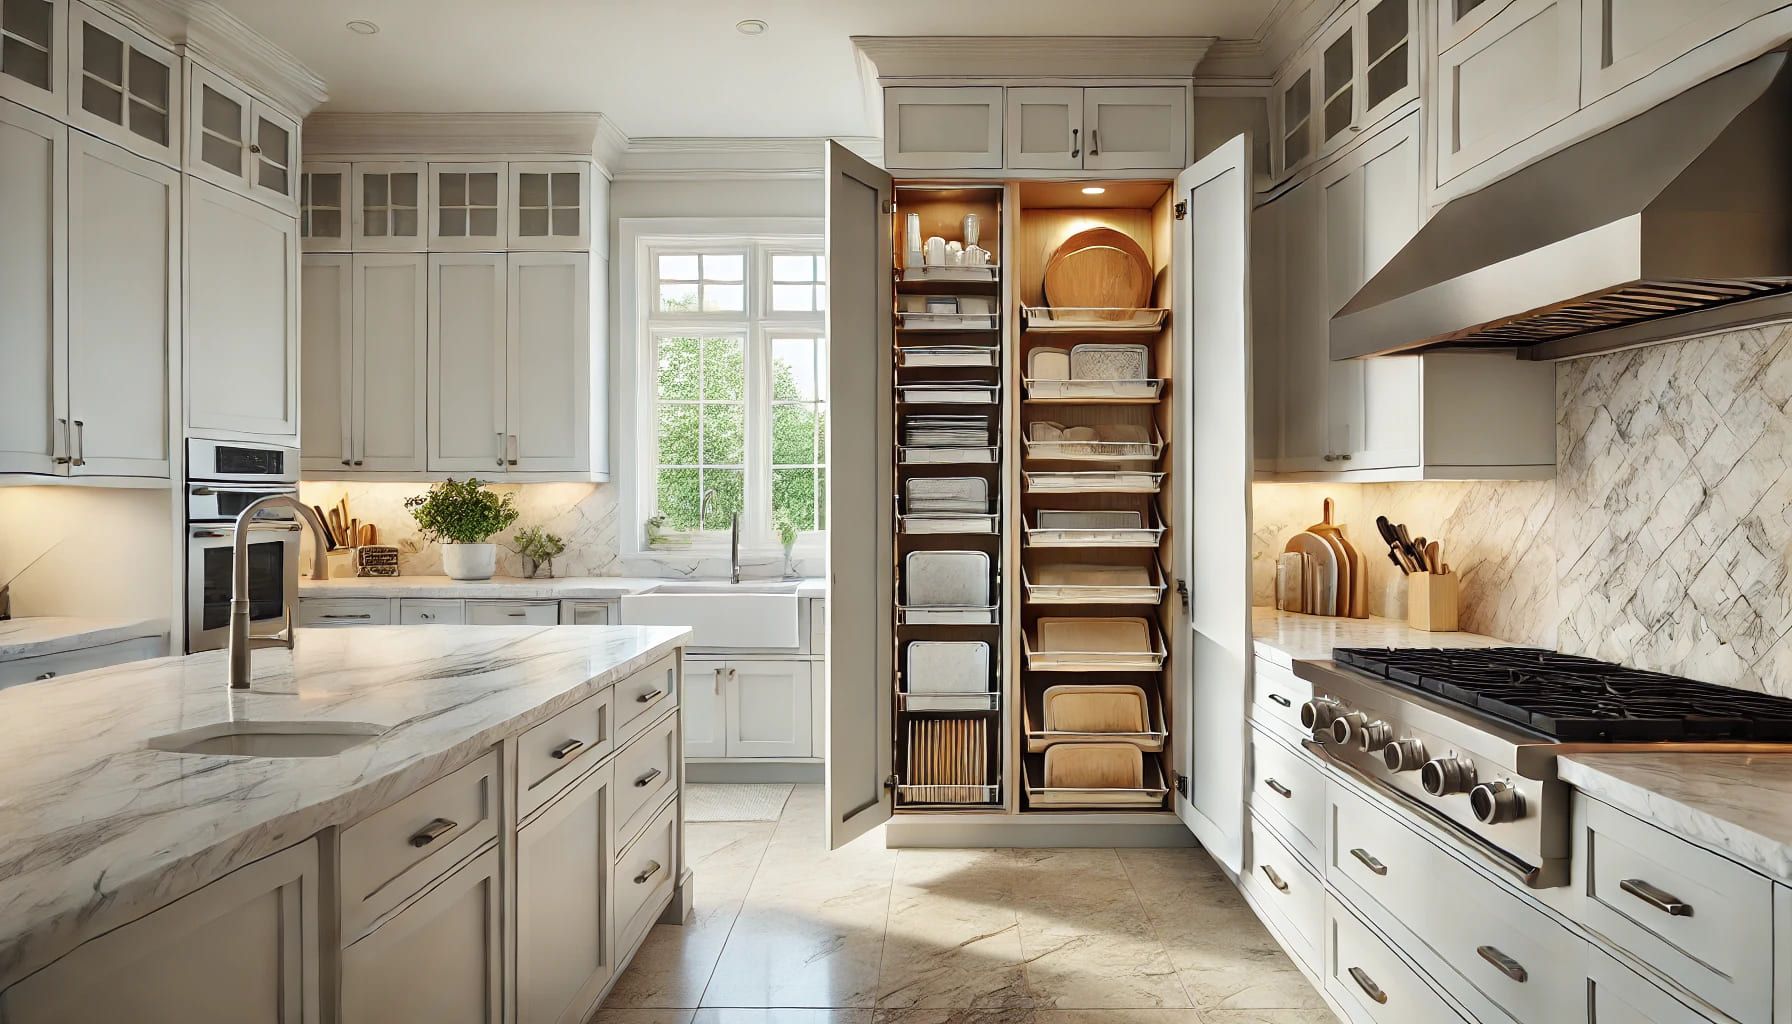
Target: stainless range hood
1675,223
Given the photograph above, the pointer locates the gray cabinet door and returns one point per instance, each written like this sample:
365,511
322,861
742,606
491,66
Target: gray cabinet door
565,917
438,961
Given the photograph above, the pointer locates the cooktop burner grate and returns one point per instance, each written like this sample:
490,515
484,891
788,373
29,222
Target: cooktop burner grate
1578,699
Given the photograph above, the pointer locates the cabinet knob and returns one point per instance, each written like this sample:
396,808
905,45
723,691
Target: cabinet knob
255,148
46,675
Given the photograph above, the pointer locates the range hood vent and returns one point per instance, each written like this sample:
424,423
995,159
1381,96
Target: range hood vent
1675,223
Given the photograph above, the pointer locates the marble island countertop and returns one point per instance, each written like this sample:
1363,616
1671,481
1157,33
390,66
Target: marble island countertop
32,636
587,588
1283,638
97,829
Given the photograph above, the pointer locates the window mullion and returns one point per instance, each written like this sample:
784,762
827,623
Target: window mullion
759,447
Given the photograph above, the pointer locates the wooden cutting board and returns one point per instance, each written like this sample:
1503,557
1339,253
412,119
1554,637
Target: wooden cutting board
1103,635
1094,766
1353,581
1082,708
1321,578
1101,268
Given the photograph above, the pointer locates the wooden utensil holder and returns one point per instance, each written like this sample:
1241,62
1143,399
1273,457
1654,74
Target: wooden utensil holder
1431,602
342,563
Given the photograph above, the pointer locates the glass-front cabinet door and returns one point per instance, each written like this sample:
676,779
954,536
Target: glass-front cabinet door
468,204
550,206
323,207
387,203
273,156
239,142
123,87
31,71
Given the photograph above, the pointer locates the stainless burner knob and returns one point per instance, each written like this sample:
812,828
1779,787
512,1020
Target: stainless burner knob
1318,713
1345,727
1404,755
1442,776
1374,736
1496,802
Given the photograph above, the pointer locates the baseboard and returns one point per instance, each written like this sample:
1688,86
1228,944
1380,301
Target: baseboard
1018,832
753,771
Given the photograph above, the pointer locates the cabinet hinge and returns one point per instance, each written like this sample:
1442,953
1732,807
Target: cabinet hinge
890,783
889,206
1180,781
1182,592
1182,210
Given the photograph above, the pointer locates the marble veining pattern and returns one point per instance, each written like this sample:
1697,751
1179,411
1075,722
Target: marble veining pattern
1739,804
33,636
97,829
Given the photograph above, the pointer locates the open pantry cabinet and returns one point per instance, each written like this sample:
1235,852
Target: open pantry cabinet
1023,494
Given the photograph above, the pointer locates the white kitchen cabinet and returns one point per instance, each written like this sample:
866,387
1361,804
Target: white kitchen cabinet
467,362
1293,118
124,302
943,128
1340,101
705,708
1618,995
1305,350
550,207
387,207
324,207
33,291
327,321
242,315
51,666
345,611
548,362
468,206
33,46
1510,78
242,949
1624,41
123,87
239,142
566,942
438,960
768,711
1454,20
430,611
1387,57
588,613
388,399
1044,126
512,613
1135,127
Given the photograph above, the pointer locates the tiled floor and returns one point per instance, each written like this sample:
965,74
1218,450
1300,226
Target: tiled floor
786,932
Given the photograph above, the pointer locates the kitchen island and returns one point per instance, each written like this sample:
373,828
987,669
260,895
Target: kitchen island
468,742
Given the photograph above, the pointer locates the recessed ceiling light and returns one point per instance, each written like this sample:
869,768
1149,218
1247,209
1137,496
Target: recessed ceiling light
751,27
1093,190
362,27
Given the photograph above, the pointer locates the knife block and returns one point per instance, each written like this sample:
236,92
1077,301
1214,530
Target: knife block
342,563
1431,602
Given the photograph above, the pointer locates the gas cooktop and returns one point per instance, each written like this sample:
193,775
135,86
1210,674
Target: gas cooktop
1575,699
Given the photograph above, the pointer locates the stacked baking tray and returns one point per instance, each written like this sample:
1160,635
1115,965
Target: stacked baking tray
947,440
947,761
1070,582
1094,713
948,675
947,588
1100,528
1093,644
946,505
1092,371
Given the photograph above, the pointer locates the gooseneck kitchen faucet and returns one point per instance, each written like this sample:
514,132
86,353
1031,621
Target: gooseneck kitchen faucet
241,643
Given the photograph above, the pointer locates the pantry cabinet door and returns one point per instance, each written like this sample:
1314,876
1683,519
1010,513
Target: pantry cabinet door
1211,500
33,45
859,202
768,709
549,363
1045,128
123,87
327,323
124,301
1135,127
467,425
33,292
323,207
391,356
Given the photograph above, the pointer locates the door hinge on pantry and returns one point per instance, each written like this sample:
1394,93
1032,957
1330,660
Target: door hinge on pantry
889,206
1180,781
1182,210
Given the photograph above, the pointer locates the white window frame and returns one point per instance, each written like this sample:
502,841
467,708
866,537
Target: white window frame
641,324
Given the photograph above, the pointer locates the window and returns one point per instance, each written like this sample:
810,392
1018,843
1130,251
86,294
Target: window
731,390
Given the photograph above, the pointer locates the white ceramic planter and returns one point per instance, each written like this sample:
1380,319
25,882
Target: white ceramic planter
470,561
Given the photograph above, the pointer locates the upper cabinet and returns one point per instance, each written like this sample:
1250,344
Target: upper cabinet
550,206
33,291
1360,69
123,87
1294,118
242,316
1136,128
386,207
1510,78
1045,128
422,206
948,128
468,207
1624,41
239,142
1389,56
324,207
1036,128
33,34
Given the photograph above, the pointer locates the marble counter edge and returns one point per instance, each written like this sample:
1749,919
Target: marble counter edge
595,588
28,948
1284,652
102,633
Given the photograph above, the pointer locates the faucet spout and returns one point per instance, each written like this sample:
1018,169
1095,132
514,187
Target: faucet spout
240,641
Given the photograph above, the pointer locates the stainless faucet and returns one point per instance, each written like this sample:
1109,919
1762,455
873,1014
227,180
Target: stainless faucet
241,643
734,531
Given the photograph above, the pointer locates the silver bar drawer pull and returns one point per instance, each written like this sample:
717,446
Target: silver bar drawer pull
1280,790
564,750
1660,899
653,868
1279,699
433,831
1369,861
1504,964
1367,984
358,615
647,780
1274,879
650,696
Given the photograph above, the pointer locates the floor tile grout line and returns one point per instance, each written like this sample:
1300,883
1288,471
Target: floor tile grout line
1156,933
883,942
722,951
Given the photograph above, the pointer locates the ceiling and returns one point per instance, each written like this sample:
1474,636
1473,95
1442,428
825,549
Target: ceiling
669,67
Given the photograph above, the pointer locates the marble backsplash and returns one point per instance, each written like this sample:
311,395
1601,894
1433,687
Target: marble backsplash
583,515
1665,541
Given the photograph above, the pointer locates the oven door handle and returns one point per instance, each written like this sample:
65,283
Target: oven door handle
208,490
221,530
1464,840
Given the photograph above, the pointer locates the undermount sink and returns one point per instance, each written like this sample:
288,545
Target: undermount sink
736,616
269,739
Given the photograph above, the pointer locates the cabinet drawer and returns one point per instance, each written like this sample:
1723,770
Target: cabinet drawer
1697,917
1502,946
645,695
513,613
345,611
554,753
1279,693
1291,891
645,770
1618,995
421,611
395,852
1371,980
644,873
1290,792
51,666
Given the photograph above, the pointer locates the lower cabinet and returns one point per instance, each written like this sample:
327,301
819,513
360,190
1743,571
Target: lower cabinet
565,929
749,709
705,709
512,613
49,666
1366,976
437,961
244,949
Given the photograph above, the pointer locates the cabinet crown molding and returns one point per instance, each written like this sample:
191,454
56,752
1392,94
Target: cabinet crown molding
1110,57
696,159
220,40
329,134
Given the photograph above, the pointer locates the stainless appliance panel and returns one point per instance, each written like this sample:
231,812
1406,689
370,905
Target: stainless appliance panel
273,553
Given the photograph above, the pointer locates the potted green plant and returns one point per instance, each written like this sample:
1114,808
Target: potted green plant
462,516
539,547
787,537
